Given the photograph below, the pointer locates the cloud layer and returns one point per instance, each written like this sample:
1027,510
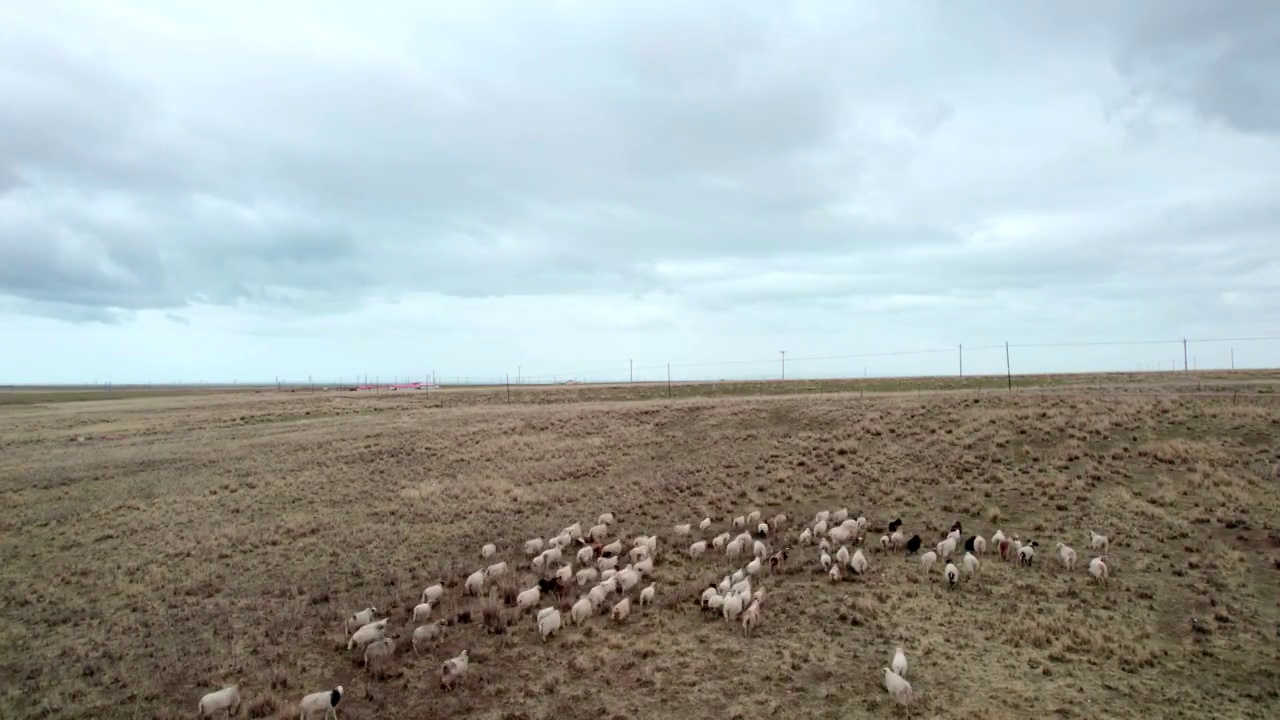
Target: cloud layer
570,183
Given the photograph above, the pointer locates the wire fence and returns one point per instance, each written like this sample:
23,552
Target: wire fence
1002,359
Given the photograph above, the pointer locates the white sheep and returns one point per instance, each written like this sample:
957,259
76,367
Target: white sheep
979,545
840,515
760,550
859,563
496,570
645,566
586,555
862,523
821,516
651,543
927,560
707,594
842,556
705,524
606,519
565,574
607,563
820,527
897,539
1066,556
899,689
753,517
367,634
598,594
834,573
638,553
884,542
598,532
762,529
487,551
453,669
952,574
719,541
538,563
384,648
954,535
745,540
564,539
528,598
608,574
433,593
324,702
581,610
613,548
806,537
424,634
732,607
740,522
825,558
422,611
726,584
1098,541
1026,554
715,603
1098,569
697,549
646,595
946,547
997,538
777,521
849,523
226,700
360,619
841,535
971,565
475,582
750,617
682,530
621,610
899,663
754,566
552,555
548,623
733,550
825,545
533,547
587,575
741,586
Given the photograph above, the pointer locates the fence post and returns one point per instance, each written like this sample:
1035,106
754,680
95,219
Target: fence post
668,379
1008,370
508,387
1184,356
960,352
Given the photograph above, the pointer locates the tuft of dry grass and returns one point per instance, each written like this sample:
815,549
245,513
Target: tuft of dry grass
222,538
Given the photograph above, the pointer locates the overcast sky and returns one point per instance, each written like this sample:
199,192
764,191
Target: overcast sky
215,191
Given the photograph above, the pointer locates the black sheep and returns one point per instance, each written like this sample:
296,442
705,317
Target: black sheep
913,544
956,526
895,525
968,543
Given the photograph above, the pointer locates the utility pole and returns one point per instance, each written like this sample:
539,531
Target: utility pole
518,369
509,386
784,364
631,370
1233,358
1008,371
1184,355
668,379
960,352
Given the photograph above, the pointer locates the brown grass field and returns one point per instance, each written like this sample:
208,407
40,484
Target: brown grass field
158,547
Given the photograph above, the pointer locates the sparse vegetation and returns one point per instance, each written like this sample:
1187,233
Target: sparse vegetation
158,548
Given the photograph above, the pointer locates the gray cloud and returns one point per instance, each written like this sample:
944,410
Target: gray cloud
152,158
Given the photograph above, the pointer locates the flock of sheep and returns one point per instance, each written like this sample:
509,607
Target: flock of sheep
733,597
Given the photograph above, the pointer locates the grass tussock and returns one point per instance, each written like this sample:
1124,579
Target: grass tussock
221,538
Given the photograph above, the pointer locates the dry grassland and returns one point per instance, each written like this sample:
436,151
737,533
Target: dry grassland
192,541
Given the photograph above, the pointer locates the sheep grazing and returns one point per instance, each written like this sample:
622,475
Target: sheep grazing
733,550
651,543
997,538
453,669
839,516
607,563
475,582
927,560
548,585
360,619
487,551
952,574
840,535
422,611
226,700
586,554
707,594
608,574
612,549
971,565
1098,569
719,541
892,526
548,622
646,595
897,539
384,648
825,559
697,549
1006,549
638,553
750,617
1027,553
598,594
884,542
946,547
899,663
732,607
606,519
842,556
740,522
621,610
425,634
834,573
778,560
433,593
859,563
754,566
538,564
762,529
913,545
1098,541
899,689
753,517
645,566
957,528
820,528
528,598
496,570
760,550
533,547
682,530
581,610
324,702
598,532
552,555
821,516
367,634
1066,556
862,523
979,545
777,522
